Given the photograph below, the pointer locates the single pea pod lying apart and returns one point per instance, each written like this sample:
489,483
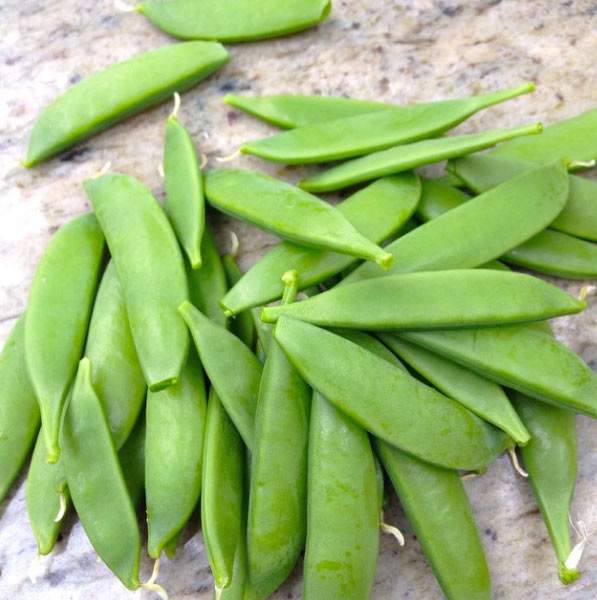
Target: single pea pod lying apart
377,212
371,132
409,156
57,317
289,212
387,401
121,90
235,20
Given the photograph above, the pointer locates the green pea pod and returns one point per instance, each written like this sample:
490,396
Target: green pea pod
377,211
522,357
19,411
410,156
232,368
579,216
57,317
185,205
387,401
151,271
485,227
173,454
237,587
472,297
366,133
96,483
132,461
289,212
121,90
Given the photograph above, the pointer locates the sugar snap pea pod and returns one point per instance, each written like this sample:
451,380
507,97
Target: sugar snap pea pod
173,454
151,271
409,301
236,20
485,227
232,368
19,411
371,132
57,317
96,483
289,212
522,357
377,211
410,156
121,90
132,461
237,587
387,401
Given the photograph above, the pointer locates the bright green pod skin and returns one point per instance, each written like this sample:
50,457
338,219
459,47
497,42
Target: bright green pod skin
231,367
151,270
377,212
96,483
471,297
132,461
185,205
289,212
387,401
235,20
578,217
238,580
409,156
19,411
120,91
486,227
371,132
175,420
57,318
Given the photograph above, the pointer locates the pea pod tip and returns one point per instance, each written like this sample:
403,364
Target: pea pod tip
163,384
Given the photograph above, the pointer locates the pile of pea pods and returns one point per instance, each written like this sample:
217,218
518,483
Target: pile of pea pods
383,342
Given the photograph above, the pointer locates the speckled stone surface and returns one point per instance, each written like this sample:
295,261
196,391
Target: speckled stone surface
398,51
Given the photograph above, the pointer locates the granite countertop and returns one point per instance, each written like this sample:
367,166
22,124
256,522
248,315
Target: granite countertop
391,50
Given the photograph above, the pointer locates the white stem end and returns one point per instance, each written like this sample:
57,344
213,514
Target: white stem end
516,463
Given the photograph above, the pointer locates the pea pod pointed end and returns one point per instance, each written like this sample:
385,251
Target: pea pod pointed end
52,454
567,575
385,260
269,314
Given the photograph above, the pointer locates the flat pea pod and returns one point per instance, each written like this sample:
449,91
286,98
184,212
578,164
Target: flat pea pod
151,271
289,212
523,357
486,227
483,397
371,132
387,401
173,455
185,205
232,368
236,20
409,156
57,317
409,301
132,461
19,411
377,211
124,89
97,486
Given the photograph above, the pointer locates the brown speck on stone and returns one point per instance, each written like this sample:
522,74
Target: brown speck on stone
232,117
384,85
378,49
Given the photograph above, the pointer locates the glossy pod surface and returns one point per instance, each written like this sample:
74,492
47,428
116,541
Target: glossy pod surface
293,214
151,271
377,212
57,317
244,323
121,90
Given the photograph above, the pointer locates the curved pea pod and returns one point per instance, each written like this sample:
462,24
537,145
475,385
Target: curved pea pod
151,271
232,368
366,133
173,455
57,317
343,507
523,357
19,411
550,460
244,323
132,461
387,401
409,156
289,212
121,90
486,227
377,211
96,483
